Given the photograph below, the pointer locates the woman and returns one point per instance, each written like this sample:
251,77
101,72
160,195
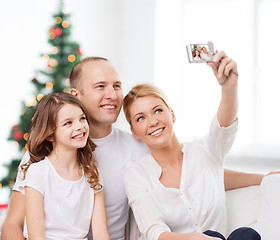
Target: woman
177,191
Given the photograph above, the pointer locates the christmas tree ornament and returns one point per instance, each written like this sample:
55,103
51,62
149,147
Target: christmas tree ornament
63,56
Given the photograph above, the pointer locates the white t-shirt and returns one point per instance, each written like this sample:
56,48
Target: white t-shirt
199,204
68,205
112,154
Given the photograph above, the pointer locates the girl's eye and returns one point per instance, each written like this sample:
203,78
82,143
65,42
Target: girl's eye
158,111
67,123
83,118
140,119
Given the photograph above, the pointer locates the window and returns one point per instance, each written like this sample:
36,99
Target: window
247,30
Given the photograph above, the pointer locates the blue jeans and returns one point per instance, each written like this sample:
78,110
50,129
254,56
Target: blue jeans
243,233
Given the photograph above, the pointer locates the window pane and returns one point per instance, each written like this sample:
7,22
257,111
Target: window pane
268,66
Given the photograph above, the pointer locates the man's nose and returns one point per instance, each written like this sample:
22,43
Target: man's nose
110,93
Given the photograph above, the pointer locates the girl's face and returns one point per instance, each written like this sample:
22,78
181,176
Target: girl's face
152,121
72,129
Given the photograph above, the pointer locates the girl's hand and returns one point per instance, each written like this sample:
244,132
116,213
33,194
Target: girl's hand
224,68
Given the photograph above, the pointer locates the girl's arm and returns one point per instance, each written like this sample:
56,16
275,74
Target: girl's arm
225,70
35,214
99,218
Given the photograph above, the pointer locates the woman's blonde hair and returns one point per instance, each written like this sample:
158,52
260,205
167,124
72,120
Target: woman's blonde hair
139,91
43,126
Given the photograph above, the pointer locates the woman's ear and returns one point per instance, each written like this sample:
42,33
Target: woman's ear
134,133
173,116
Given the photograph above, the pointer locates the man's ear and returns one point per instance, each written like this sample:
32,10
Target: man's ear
75,92
133,133
173,116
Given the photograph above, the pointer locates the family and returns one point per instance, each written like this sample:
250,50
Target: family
201,53
81,175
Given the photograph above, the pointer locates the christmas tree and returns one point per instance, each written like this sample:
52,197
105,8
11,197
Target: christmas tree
63,56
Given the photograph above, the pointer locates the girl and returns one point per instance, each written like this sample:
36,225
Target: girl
196,55
177,191
63,189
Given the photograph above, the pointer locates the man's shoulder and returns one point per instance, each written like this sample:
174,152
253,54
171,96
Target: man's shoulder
133,146
121,132
123,135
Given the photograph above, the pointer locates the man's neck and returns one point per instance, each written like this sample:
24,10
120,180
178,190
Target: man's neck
100,131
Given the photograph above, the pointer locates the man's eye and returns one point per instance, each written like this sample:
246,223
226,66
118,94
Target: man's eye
100,86
140,119
117,86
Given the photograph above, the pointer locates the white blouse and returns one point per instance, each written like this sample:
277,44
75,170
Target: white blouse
199,204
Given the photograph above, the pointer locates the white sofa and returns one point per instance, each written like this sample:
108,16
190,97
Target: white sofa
257,207
242,207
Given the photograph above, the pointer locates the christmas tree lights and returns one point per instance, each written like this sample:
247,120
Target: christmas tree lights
63,56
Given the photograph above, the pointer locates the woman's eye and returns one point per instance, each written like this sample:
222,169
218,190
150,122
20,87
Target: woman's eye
140,119
158,111
83,118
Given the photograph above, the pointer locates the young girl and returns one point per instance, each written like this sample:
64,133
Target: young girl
177,191
63,189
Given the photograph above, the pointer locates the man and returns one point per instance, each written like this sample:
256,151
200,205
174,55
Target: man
96,83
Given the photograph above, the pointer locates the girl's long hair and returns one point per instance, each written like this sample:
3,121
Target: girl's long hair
42,128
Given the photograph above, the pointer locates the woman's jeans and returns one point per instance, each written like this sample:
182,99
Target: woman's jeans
243,233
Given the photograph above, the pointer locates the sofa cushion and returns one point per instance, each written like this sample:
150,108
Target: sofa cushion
269,212
242,207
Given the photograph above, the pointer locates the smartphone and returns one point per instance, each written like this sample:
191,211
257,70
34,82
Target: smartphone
200,53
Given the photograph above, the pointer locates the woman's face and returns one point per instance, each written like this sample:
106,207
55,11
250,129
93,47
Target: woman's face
205,49
152,121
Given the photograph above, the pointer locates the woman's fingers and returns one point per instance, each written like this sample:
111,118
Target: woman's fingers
223,67
219,56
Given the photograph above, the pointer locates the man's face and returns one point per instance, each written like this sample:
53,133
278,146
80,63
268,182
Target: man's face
101,92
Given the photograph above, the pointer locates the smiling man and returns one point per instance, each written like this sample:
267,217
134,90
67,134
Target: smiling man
96,83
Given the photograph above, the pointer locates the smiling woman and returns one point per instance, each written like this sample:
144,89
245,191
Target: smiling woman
177,191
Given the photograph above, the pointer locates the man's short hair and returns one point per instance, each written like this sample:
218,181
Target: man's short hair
75,75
